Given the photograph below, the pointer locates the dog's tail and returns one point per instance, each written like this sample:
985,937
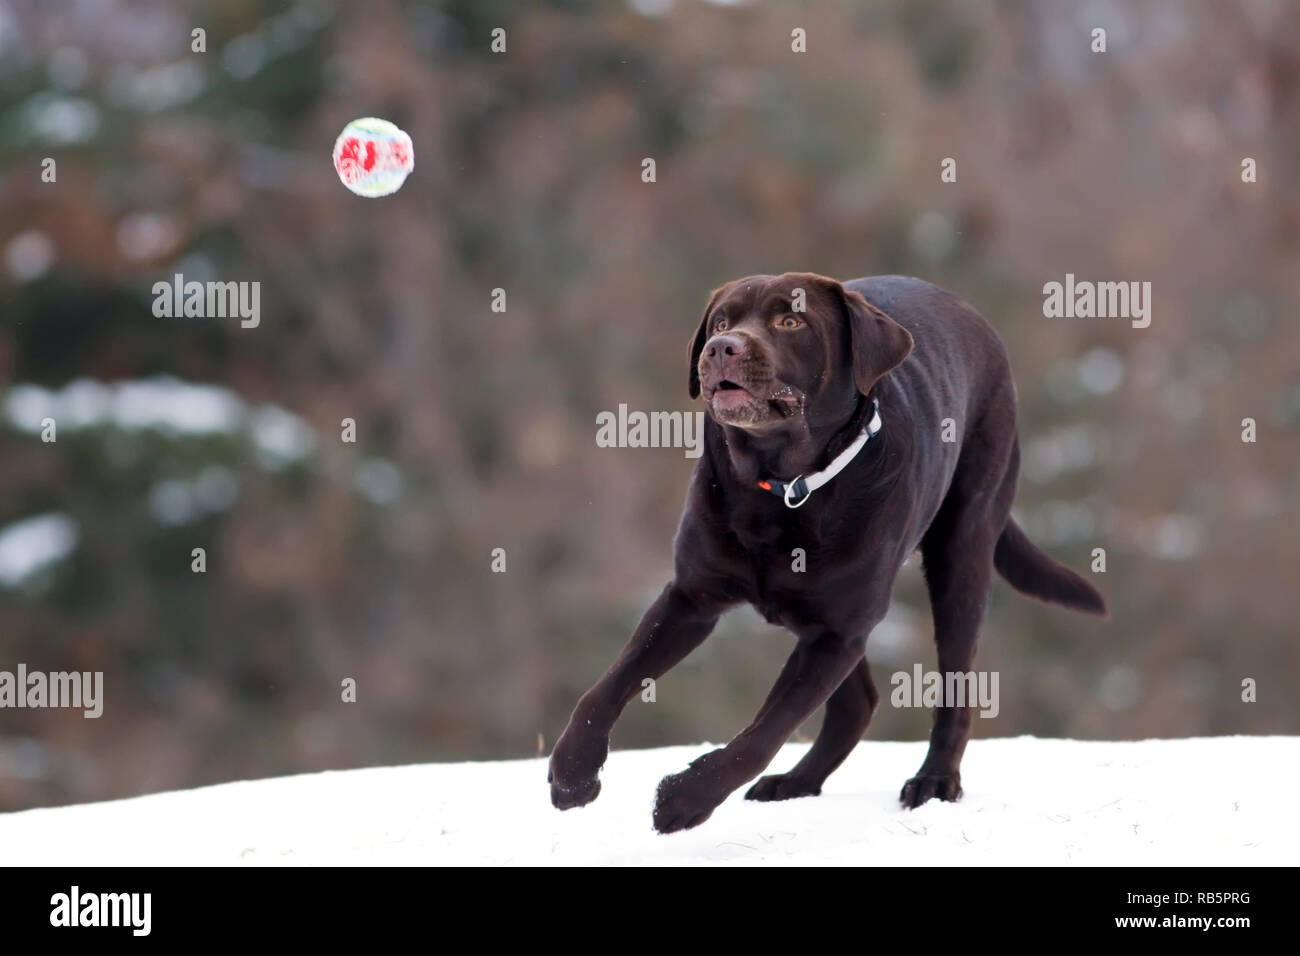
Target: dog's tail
1030,571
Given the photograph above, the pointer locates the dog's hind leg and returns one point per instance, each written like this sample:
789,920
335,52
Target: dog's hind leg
957,551
848,712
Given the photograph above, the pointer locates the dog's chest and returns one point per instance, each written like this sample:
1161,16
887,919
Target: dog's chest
763,524
780,553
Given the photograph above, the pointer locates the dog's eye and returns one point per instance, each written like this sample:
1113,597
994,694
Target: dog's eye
790,322
721,325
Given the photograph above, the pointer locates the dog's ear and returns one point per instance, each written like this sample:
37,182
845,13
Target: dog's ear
699,338
879,344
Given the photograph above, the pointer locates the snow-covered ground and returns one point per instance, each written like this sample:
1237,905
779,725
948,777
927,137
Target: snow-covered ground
1222,800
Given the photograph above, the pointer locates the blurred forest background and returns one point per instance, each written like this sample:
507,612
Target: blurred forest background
476,430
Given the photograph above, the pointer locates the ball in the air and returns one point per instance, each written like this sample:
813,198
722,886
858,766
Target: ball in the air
373,157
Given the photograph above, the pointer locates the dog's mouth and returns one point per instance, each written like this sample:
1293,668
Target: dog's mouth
729,394
751,405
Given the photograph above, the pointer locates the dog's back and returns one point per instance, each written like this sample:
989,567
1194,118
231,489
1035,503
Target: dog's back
955,383
956,352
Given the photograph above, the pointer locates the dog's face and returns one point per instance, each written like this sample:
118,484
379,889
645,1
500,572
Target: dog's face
798,347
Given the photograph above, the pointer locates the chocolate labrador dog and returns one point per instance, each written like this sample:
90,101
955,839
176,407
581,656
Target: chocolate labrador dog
858,422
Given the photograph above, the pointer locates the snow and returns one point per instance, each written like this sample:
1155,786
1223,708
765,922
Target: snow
34,543
1206,801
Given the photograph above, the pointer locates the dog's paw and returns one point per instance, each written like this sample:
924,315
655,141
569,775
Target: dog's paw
684,800
782,786
579,794
574,769
924,786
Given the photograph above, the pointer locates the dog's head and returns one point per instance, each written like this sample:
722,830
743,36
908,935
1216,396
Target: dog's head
772,349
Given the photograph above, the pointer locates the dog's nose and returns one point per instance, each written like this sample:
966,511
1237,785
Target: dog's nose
722,346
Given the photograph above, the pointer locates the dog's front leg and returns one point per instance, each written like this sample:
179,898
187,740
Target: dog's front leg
675,625
814,670
809,677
